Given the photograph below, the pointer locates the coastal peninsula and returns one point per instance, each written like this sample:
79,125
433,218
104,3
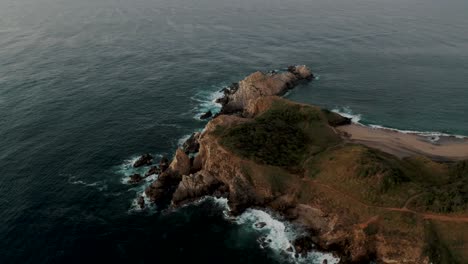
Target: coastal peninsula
364,194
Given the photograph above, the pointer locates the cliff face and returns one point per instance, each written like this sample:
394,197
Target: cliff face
249,184
355,201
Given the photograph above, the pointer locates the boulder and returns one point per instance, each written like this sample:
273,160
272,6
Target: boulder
144,160
301,72
141,202
152,170
135,178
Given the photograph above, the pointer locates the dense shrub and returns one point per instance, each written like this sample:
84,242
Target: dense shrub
274,138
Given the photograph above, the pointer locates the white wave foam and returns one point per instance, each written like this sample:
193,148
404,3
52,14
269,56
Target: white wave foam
182,140
347,112
431,136
126,169
207,101
150,207
278,236
98,185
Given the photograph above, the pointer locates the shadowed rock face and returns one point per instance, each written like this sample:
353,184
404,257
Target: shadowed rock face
191,145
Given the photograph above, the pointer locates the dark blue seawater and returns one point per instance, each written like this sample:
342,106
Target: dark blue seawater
86,85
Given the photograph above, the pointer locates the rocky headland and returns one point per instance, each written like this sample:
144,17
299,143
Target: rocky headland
357,200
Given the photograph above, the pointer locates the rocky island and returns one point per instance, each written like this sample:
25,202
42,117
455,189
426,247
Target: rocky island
363,194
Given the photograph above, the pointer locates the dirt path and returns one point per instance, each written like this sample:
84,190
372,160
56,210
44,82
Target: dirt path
439,217
411,199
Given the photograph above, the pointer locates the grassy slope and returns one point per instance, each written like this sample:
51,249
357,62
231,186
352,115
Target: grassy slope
291,139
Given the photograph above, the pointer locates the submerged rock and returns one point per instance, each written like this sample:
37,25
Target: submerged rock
144,160
141,202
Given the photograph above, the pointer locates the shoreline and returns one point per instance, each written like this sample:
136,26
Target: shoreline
392,141
202,167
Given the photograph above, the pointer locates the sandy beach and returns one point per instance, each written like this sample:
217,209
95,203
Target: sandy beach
403,145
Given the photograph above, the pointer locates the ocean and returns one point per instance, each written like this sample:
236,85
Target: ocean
87,86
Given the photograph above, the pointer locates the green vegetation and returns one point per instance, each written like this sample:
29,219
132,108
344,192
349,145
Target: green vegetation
451,195
292,149
299,138
386,168
435,248
283,136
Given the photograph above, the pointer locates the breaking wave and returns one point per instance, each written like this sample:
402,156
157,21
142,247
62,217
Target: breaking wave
207,101
274,233
432,136
277,235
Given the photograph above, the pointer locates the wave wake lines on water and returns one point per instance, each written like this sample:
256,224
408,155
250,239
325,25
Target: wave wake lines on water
99,185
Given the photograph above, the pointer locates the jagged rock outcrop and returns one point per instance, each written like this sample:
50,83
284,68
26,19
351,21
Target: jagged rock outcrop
191,145
260,84
161,190
164,164
195,186
135,178
144,160
180,164
153,170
